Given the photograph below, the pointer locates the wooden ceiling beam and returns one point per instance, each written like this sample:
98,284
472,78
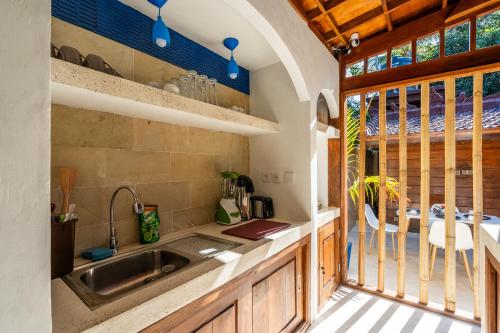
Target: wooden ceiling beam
454,65
466,7
332,20
445,4
416,28
366,18
387,15
316,14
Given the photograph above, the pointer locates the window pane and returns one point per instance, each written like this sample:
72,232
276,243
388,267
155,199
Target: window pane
377,63
456,39
488,30
428,47
354,69
401,56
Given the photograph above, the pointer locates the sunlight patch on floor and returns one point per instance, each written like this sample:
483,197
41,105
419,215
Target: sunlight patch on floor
355,311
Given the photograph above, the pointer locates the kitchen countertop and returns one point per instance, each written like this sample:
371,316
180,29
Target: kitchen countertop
157,300
326,215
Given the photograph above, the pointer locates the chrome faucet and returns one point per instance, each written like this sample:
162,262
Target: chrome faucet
138,209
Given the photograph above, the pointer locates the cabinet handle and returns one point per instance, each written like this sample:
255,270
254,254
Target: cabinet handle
299,283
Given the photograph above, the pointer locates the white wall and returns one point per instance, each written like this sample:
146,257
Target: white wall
24,166
273,97
311,68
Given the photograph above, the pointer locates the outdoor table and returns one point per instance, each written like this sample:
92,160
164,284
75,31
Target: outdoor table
412,213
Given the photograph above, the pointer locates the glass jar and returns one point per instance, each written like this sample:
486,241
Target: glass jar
192,81
211,91
185,85
202,88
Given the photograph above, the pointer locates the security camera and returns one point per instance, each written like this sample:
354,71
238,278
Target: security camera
355,39
339,51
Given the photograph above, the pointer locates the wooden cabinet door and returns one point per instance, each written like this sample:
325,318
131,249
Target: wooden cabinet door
327,261
223,323
275,300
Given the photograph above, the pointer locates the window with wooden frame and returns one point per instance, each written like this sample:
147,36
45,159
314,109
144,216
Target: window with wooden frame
457,39
428,47
377,62
488,30
355,69
401,55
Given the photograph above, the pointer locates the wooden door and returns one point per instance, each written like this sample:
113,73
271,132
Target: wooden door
223,323
327,260
275,300
334,172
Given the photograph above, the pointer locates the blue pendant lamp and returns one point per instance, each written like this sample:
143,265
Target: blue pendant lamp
233,71
161,35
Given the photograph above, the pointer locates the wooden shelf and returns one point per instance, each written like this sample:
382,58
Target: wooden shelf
80,87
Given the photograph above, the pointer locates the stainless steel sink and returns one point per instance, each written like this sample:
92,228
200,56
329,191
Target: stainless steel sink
104,282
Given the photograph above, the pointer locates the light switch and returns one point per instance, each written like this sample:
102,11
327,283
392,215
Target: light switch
275,178
265,177
289,177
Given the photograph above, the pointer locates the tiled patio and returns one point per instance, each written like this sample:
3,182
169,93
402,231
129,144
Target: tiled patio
436,286
350,310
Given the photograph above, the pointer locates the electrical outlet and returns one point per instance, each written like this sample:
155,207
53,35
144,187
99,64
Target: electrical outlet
289,177
275,178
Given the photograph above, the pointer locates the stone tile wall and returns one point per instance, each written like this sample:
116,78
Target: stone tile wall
174,167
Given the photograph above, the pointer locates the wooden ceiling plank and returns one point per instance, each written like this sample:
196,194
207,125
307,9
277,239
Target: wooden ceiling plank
315,15
333,22
371,15
387,15
466,7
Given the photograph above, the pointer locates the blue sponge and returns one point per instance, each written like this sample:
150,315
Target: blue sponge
97,253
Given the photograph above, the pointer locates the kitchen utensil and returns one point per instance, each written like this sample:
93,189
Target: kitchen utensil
256,230
70,54
262,207
227,211
68,179
244,189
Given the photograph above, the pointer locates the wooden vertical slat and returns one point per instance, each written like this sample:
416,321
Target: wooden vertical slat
477,181
361,198
382,189
403,223
344,213
449,196
424,194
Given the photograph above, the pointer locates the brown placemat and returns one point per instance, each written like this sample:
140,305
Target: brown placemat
257,229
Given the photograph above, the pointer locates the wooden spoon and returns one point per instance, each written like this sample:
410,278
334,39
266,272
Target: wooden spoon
68,178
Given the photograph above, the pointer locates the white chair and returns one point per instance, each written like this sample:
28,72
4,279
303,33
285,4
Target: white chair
374,224
463,242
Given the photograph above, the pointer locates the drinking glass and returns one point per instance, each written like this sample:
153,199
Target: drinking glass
202,88
211,91
192,76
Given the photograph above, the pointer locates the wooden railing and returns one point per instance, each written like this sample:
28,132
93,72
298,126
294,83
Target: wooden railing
450,185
